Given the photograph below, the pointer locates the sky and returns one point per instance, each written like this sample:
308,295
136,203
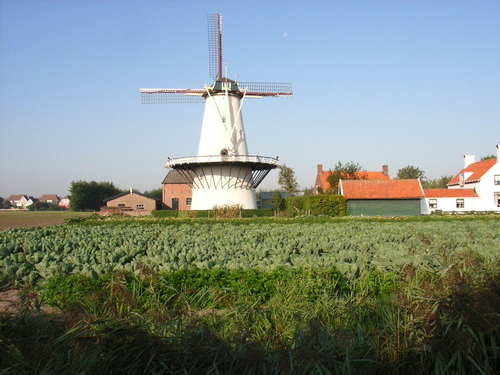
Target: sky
401,83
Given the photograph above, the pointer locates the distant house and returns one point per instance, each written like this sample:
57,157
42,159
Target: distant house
176,191
484,177
20,200
321,182
382,197
130,203
64,202
49,198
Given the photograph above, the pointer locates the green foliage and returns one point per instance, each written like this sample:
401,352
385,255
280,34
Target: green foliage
309,295
410,172
44,206
277,201
438,183
347,171
155,193
64,291
89,196
491,156
322,204
165,213
287,180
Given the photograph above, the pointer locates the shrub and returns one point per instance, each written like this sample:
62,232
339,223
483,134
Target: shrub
323,204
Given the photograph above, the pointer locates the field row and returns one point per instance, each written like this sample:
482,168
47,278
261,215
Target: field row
31,255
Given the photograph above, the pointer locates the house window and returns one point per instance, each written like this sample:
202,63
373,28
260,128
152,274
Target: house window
139,206
433,203
497,179
460,203
121,204
188,201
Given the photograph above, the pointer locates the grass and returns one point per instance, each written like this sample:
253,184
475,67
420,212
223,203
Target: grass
427,323
30,219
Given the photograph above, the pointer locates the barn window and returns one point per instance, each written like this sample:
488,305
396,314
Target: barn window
460,203
433,203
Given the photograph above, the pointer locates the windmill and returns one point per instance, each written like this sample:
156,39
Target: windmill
223,172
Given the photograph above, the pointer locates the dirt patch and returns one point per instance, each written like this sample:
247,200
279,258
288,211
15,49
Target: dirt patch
29,219
12,302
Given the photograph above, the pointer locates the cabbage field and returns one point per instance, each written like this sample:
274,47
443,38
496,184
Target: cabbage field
33,255
275,296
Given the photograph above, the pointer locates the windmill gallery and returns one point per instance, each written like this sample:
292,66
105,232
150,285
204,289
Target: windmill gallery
223,172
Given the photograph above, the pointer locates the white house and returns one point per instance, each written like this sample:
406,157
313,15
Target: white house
475,188
20,200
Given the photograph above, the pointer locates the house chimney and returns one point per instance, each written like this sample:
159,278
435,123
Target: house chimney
468,160
320,168
385,170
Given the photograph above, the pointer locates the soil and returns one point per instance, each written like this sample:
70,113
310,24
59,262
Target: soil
11,303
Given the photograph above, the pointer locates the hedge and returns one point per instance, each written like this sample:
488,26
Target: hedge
322,204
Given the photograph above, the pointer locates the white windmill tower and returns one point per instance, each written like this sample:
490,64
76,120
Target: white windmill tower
223,172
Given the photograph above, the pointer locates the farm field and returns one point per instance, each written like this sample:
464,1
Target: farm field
305,295
30,219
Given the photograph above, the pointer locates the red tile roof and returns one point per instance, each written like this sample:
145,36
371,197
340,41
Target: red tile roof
477,169
388,189
449,193
361,175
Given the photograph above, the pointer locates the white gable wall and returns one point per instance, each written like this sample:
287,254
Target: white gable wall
448,204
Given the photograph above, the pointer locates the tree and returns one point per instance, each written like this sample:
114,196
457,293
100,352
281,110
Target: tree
488,157
348,171
409,173
89,196
155,193
277,202
287,180
438,183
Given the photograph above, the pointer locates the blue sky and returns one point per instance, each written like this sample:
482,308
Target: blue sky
375,82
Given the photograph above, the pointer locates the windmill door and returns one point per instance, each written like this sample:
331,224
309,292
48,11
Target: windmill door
175,203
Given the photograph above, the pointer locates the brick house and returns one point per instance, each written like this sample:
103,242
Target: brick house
176,191
130,203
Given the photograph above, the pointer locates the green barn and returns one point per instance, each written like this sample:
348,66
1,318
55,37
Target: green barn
382,197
